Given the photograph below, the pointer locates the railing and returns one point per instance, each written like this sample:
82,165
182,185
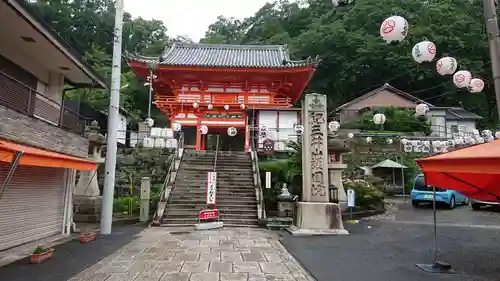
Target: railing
233,102
258,183
169,179
216,154
21,98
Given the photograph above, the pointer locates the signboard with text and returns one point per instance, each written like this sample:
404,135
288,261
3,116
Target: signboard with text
211,187
209,214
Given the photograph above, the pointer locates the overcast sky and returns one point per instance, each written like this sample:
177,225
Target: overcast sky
191,17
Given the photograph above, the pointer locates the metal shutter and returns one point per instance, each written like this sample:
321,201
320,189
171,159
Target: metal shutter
32,205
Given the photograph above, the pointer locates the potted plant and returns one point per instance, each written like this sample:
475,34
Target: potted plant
87,237
41,254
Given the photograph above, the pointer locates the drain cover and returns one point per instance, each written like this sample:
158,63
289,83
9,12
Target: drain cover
179,232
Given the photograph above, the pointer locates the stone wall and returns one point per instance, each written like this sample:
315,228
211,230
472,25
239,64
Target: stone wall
31,131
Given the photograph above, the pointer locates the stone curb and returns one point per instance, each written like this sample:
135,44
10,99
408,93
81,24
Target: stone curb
306,273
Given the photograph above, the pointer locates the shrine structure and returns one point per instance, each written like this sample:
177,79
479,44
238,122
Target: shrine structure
224,86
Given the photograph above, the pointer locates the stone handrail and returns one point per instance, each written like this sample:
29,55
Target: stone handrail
169,180
259,194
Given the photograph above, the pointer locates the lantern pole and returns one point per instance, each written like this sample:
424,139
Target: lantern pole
493,32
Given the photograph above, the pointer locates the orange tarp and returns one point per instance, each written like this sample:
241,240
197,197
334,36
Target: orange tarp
473,171
37,157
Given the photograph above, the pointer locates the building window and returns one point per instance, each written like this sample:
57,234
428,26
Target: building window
454,129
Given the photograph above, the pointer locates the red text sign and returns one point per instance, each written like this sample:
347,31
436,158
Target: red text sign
209,214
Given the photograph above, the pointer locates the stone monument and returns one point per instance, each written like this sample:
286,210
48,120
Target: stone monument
335,168
87,200
315,215
285,203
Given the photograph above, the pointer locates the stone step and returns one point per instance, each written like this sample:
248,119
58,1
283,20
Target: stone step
180,188
219,176
201,206
193,221
220,193
227,201
223,214
220,182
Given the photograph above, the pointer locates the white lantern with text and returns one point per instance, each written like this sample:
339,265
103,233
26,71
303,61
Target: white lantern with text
232,131
379,118
203,129
350,135
476,85
242,106
226,107
210,106
497,135
446,66
195,105
333,126
394,29
424,51
462,78
177,126
369,140
421,109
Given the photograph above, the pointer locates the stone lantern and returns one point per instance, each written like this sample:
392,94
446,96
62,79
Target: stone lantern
87,200
336,149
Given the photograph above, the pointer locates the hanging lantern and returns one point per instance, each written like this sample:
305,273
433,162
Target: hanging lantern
408,147
426,143
404,141
476,85
149,122
231,131
467,140
368,140
421,109
490,138
394,29
242,106
263,131
389,141
210,106
226,107
476,133
333,126
195,105
379,118
424,51
299,129
177,126
446,66
462,78
486,133
350,135
203,129
497,135
480,140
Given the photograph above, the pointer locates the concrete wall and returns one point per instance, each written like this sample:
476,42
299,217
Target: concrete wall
31,131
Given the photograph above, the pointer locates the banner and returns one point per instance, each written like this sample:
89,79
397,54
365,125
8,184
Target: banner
211,187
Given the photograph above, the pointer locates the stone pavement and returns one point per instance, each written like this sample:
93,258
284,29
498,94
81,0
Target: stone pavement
182,254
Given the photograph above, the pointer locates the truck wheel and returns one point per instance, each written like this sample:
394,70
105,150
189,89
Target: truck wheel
414,203
475,206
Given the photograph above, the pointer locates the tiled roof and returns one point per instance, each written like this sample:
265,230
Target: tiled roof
234,56
461,114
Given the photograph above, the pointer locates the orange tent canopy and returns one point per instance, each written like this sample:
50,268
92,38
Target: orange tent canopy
473,171
37,157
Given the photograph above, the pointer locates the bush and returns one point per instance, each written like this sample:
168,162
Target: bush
367,195
128,205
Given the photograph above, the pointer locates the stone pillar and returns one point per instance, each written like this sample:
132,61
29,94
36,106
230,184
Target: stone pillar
87,200
335,168
145,196
315,215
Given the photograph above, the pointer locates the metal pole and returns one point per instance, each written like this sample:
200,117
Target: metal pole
493,39
110,168
435,223
150,90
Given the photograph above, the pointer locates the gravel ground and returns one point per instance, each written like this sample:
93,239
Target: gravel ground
387,247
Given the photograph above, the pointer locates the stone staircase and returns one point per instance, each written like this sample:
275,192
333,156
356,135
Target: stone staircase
235,193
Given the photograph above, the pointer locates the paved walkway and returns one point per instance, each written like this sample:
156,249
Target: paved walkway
181,254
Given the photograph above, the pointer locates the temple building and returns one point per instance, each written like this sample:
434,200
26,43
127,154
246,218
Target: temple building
221,88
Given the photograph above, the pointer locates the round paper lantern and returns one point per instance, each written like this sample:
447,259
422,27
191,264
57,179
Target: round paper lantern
446,66
389,141
177,126
231,131
490,138
368,140
497,135
426,143
421,109
195,105
210,106
203,129
486,133
379,118
226,107
350,135
404,141
468,140
480,140
333,126
424,51
299,129
149,122
394,29
242,106
462,78
476,85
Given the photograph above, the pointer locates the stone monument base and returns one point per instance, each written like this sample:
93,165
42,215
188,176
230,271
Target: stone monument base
317,218
87,209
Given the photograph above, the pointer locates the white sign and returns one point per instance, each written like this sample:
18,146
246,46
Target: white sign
211,187
351,198
268,179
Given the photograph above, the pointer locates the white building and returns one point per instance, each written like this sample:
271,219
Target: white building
450,122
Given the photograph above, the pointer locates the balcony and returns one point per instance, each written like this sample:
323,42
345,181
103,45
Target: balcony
19,97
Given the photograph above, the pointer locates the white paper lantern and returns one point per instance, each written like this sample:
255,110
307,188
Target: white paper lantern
435,143
333,126
476,133
421,109
231,131
490,138
394,29
462,78
368,140
299,129
480,140
476,85
497,135
149,122
486,133
451,143
468,140
389,141
379,118
226,107
210,106
424,51
337,3
176,126
195,105
350,135
404,141
203,129
242,106
408,148
426,149
446,66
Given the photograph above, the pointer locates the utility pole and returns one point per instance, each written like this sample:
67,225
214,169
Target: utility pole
114,103
493,33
